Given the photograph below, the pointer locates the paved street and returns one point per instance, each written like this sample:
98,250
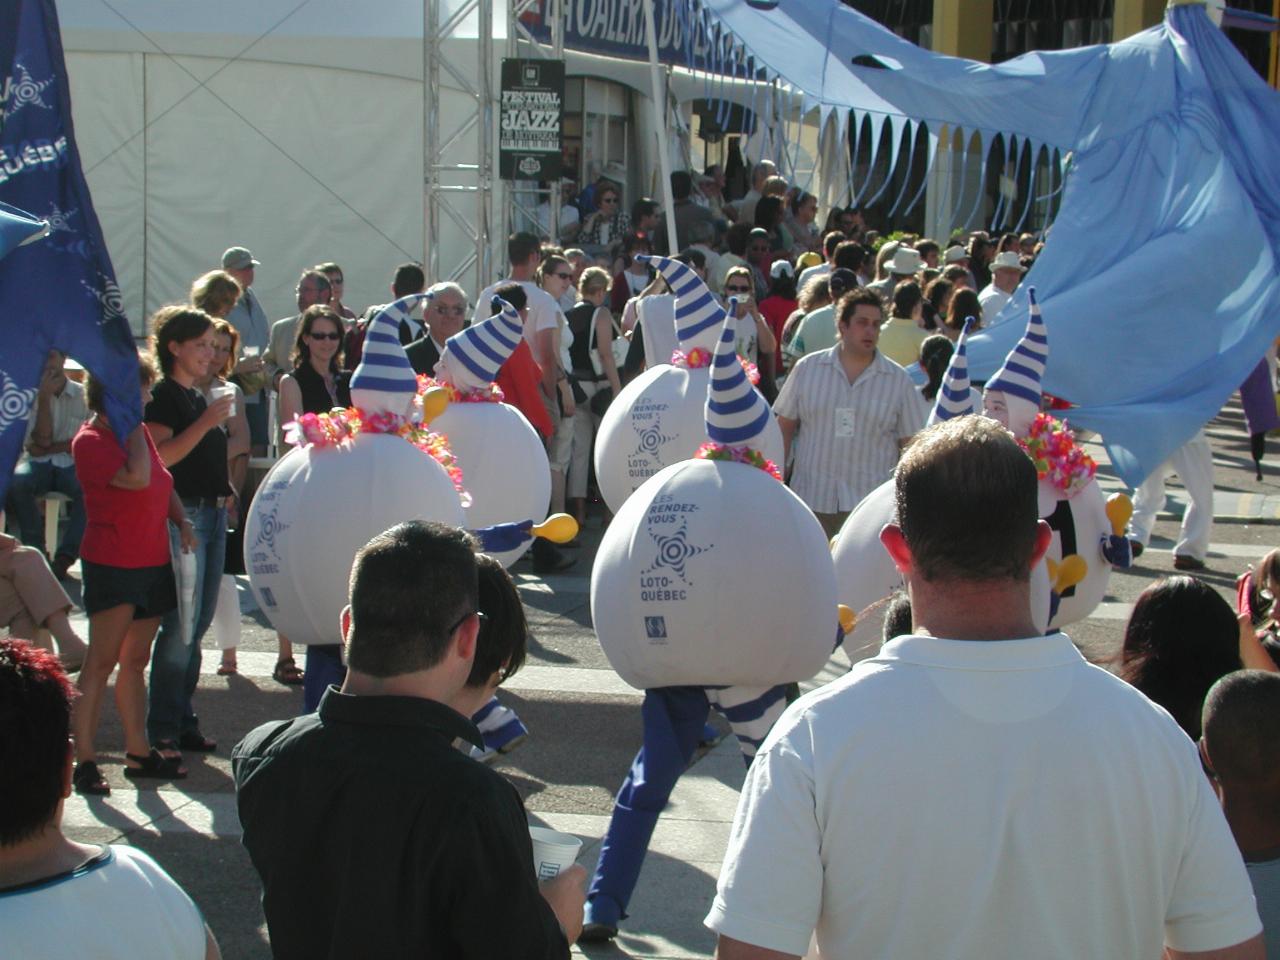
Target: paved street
585,729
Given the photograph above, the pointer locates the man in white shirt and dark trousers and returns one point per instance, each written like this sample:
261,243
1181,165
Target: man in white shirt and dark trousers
524,253
47,467
846,412
977,790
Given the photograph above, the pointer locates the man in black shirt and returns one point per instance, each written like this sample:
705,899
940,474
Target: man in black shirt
372,834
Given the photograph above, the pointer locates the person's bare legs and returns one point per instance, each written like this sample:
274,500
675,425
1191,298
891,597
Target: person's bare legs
107,630
131,686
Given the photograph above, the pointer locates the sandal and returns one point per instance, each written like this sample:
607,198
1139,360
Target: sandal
287,672
193,741
153,766
88,781
227,669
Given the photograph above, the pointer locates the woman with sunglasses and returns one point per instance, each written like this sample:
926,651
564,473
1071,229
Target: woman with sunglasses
318,382
606,223
754,339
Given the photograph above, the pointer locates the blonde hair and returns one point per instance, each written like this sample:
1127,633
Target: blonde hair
593,280
216,292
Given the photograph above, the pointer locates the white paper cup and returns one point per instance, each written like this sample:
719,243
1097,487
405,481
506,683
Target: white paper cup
553,851
250,351
217,391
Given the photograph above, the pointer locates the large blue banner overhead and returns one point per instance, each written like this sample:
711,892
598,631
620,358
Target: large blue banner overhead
59,292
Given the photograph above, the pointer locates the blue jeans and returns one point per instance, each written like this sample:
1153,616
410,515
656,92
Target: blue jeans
175,666
32,480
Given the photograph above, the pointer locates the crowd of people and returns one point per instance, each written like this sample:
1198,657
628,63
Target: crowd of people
989,786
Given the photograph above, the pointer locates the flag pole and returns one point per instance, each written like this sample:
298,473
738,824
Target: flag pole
660,124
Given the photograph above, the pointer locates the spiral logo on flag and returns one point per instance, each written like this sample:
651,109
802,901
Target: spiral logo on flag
23,90
15,403
108,297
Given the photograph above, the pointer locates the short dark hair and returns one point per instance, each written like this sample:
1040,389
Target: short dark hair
926,247
841,281
681,184
735,238
906,297
1181,638
976,462
857,297
964,304
644,207
411,586
849,254
1241,727
408,278
692,257
95,394
35,721
315,276
504,632
831,241
522,246
769,211
514,294
176,324
897,617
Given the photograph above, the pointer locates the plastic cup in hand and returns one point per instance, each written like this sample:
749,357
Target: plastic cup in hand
553,851
221,390
250,352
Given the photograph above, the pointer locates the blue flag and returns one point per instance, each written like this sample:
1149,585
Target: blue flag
59,292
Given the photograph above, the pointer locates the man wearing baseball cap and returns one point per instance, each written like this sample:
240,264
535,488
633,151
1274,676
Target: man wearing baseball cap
250,321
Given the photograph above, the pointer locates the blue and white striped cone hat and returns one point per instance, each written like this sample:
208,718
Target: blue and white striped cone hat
736,414
472,357
698,314
1023,368
384,382
954,397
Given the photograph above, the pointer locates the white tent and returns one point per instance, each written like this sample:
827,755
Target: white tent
292,127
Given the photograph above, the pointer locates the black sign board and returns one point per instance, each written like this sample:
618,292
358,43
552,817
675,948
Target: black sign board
530,138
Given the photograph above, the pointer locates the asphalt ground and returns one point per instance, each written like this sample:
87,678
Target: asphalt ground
585,729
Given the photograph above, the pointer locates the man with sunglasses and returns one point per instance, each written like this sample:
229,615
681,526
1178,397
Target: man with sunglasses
372,834
445,314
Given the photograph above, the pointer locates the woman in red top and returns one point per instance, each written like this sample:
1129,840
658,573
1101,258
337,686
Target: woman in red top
128,582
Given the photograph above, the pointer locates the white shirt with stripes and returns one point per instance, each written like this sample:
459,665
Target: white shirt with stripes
848,438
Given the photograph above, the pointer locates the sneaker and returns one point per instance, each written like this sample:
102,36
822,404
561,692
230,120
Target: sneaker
1184,562
500,726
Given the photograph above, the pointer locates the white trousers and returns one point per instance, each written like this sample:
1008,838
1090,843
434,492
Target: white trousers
1193,463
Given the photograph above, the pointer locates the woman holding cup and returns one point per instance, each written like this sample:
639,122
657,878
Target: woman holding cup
186,431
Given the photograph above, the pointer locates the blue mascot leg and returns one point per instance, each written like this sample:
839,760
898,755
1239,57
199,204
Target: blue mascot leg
673,719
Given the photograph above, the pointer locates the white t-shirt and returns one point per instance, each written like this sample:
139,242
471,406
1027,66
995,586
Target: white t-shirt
992,300
658,315
122,906
969,799
812,273
544,311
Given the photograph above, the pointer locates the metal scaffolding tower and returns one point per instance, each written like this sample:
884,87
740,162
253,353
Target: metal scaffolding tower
458,150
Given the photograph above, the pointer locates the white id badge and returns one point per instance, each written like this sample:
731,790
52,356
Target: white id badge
846,420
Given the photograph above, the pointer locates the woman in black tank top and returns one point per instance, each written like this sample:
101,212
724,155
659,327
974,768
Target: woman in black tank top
317,383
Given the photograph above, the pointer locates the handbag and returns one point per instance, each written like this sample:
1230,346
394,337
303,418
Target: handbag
601,399
618,345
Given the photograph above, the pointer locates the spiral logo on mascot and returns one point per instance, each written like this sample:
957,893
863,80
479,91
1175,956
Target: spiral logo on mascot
15,403
674,551
271,527
24,90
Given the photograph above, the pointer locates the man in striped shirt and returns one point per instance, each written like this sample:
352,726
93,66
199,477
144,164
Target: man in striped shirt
847,412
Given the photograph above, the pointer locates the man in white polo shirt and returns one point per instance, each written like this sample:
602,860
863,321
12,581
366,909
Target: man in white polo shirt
976,790
1006,274
846,412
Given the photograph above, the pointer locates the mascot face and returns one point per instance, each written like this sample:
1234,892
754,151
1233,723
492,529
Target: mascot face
1014,413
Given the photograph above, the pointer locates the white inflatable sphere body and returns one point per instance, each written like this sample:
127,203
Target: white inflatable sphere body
504,466
714,573
317,507
658,419
1079,524
865,574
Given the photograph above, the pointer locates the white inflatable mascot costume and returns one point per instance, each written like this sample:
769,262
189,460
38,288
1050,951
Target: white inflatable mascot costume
692,603
657,418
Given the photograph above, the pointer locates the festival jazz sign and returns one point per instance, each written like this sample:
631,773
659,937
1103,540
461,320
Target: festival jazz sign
530,142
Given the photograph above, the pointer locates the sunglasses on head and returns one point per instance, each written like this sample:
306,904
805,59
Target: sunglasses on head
325,336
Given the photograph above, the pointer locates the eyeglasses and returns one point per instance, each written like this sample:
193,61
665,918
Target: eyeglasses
737,289
608,199
440,308
478,614
565,276
325,336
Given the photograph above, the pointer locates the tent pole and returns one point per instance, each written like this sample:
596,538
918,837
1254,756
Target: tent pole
660,124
